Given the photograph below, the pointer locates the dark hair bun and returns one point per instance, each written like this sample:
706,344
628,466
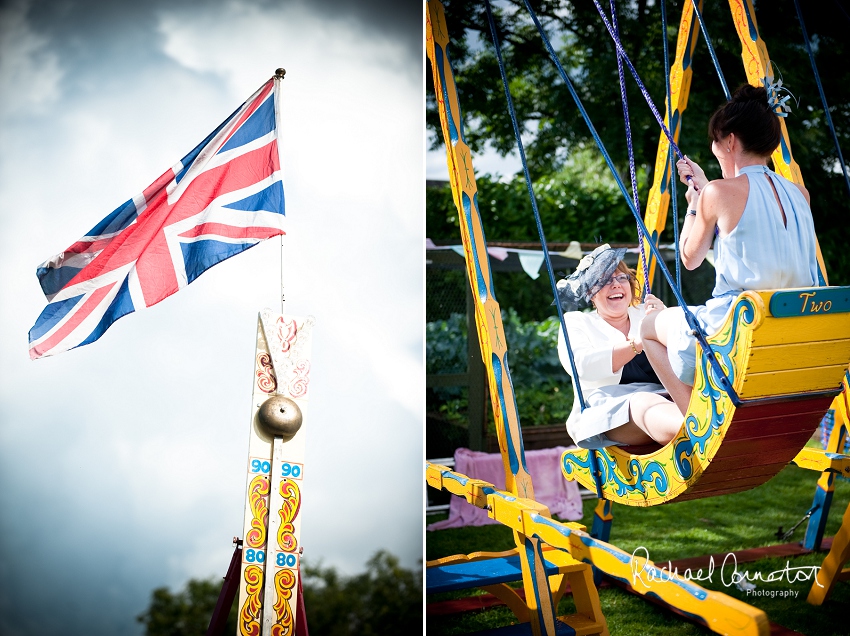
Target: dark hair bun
750,118
748,92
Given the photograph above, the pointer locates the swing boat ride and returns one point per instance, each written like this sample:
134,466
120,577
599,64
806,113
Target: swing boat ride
764,382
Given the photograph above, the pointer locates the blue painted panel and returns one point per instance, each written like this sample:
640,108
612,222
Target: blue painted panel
461,576
751,25
786,152
441,63
808,302
817,522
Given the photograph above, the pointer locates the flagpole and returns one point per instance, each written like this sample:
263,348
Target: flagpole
280,74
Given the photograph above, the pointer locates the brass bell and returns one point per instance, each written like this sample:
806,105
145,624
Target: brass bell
280,417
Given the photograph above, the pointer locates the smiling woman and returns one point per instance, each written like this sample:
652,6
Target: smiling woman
624,402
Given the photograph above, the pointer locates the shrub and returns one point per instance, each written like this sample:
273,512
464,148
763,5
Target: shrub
542,388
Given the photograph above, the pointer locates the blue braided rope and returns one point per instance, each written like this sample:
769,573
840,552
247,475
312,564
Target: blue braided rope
670,167
632,173
711,51
689,316
534,208
822,94
641,86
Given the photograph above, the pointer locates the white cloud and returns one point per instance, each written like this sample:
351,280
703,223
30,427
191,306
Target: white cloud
289,36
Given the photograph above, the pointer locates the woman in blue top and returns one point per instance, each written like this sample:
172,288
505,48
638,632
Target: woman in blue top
765,234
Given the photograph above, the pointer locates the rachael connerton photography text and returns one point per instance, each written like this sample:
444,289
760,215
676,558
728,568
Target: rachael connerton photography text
646,572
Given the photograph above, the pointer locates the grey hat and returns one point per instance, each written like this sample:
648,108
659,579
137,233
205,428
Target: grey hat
591,275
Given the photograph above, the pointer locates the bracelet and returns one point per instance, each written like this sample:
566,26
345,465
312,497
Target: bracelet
691,212
632,342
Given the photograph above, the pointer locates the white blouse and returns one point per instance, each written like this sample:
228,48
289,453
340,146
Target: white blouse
592,341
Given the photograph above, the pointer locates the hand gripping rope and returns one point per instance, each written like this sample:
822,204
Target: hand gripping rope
692,321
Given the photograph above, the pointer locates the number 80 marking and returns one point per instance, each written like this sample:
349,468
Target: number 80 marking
286,560
255,556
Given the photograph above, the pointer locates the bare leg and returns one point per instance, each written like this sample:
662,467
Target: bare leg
651,418
657,416
629,433
653,332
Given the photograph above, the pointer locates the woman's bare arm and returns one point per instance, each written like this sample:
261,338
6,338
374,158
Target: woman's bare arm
698,230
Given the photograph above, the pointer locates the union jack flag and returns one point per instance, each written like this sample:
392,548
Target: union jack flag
221,199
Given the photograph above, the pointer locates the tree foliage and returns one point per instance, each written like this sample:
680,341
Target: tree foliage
384,600
554,131
542,388
580,202
184,613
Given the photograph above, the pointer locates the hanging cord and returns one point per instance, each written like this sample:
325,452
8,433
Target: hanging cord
689,316
537,220
644,92
822,94
711,51
620,51
670,167
632,172
282,298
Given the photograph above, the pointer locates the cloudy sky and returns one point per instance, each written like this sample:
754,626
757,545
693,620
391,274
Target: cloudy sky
122,463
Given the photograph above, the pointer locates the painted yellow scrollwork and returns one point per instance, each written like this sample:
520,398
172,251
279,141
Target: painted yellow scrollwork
288,511
249,615
258,491
284,583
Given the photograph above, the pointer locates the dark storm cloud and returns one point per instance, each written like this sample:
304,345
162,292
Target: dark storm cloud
400,20
70,23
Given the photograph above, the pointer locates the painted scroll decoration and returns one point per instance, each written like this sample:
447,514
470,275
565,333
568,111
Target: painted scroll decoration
284,584
291,494
249,613
669,471
258,500
274,484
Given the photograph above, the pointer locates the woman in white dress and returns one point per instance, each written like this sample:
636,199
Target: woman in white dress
624,401
765,236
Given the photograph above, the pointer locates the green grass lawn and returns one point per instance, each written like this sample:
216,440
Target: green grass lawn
674,531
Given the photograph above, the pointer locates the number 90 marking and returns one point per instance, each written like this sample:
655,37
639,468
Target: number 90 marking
258,466
290,470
